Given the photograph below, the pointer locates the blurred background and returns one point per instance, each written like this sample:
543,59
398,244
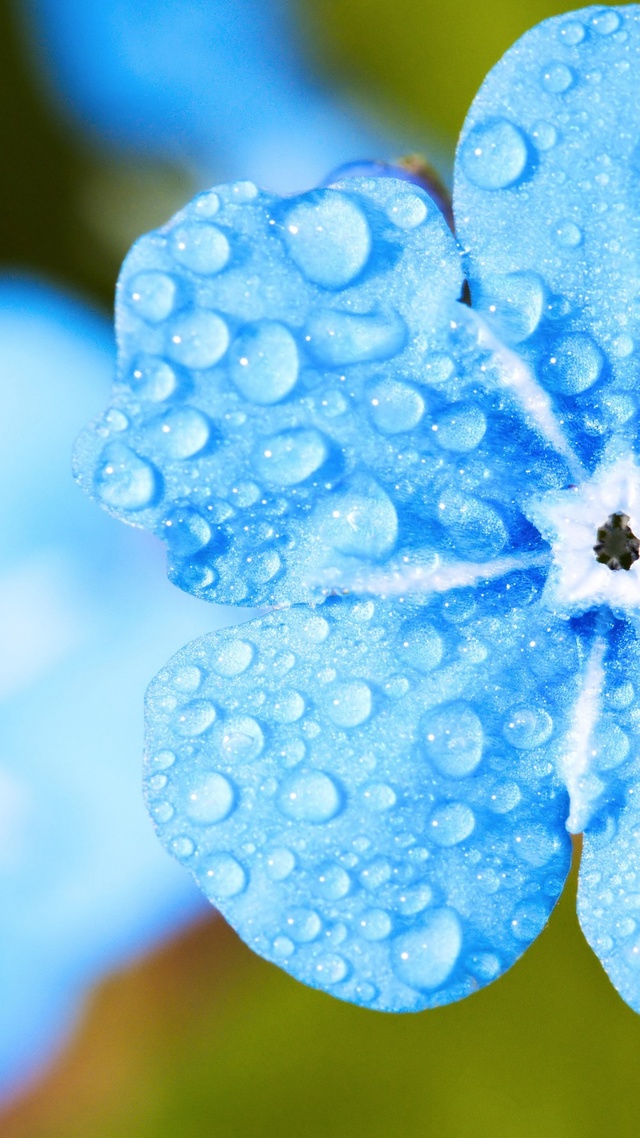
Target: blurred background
126,1007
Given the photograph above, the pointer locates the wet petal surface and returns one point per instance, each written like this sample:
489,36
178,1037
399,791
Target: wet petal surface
372,798
548,209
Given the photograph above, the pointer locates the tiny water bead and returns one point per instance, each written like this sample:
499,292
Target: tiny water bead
557,78
364,817
494,154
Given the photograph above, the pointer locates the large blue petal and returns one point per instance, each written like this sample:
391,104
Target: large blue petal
609,890
221,83
301,399
86,616
547,207
368,791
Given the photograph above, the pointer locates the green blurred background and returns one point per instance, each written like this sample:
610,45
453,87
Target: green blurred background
205,1040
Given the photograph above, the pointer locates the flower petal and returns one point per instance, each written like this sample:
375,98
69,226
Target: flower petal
547,206
609,889
301,399
368,791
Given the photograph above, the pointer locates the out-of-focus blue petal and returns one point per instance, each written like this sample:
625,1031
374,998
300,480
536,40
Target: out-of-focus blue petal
221,83
86,616
368,791
609,890
547,207
303,405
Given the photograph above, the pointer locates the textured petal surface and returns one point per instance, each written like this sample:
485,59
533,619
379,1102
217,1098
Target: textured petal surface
368,792
609,891
221,82
86,616
301,400
547,206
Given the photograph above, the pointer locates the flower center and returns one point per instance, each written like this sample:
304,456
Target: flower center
617,545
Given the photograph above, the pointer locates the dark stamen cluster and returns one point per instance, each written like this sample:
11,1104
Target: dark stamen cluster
617,545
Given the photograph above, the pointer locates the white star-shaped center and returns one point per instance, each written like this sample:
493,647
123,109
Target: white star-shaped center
569,520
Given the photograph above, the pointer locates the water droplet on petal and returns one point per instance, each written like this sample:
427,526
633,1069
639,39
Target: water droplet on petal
152,295
289,707
124,480
337,339
453,739
378,796
185,532
333,882
362,522
605,23
557,78
183,432
572,33
451,823
544,135
350,704
331,969
202,248
291,457
395,406
528,727
264,362
222,876
280,863
494,155
194,718
242,740
425,958
375,924
407,211
198,339
309,796
153,378
303,925
461,429
574,364
328,238
233,658
568,234
182,847
211,800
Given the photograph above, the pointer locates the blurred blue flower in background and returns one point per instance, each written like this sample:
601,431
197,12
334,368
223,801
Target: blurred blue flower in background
377,793
83,885
219,85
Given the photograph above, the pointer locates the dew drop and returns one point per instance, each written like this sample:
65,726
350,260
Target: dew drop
453,739
328,238
528,727
544,135
394,406
528,920
337,339
557,78
194,718
152,295
289,707
291,457
407,211
198,340
124,480
280,863
451,824
162,760
375,924
331,969
605,23
182,847
153,378
202,248
233,658
363,523
162,812
349,705
425,958
461,429
568,234
242,740
422,647
303,925
415,900
222,876
188,678
504,797
574,364
572,33
283,947
494,155
264,362
309,796
183,432
378,796
185,532
211,800
333,882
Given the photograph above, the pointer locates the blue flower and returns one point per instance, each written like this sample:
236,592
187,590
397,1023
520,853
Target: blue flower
212,85
376,784
83,884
